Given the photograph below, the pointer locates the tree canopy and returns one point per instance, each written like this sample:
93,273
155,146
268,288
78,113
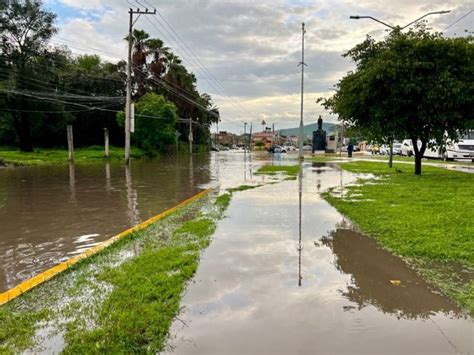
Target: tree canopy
43,87
417,85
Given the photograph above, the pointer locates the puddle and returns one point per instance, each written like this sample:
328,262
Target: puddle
285,275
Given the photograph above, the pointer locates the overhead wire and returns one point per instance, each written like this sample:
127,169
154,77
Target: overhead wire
221,91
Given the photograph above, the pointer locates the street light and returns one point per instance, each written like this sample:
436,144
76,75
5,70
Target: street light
357,17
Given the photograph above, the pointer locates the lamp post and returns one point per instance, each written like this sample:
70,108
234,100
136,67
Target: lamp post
393,28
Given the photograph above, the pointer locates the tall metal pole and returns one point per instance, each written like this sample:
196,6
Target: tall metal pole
250,137
245,134
128,104
302,63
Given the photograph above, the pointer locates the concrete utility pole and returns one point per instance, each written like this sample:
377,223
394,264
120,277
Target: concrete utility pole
70,143
303,64
128,105
190,136
106,143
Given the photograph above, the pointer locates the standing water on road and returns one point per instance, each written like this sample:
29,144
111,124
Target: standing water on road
286,274
48,214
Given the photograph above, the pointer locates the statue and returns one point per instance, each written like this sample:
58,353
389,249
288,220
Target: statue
319,137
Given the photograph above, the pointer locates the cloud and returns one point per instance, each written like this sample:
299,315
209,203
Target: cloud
252,49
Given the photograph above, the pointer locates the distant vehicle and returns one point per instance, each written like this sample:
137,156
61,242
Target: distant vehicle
307,148
397,148
344,149
289,147
407,148
384,149
276,149
463,149
373,148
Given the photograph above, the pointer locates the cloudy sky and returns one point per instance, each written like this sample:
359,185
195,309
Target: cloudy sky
245,53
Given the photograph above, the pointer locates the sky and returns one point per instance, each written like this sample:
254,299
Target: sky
245,54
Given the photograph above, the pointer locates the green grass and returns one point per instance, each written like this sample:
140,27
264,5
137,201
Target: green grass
242,188
291,170
106,304
326,158
59,156
427,218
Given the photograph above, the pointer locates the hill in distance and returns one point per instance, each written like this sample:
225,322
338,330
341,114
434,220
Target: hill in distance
308,129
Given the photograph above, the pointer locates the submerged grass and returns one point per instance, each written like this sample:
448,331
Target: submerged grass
290,170
427,218
59,156
122,300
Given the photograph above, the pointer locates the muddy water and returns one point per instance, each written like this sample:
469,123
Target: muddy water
48,214
285,274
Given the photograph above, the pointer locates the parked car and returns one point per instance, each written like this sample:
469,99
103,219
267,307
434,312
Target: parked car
275,149
307,148
384,149
289,147
407,148
397,148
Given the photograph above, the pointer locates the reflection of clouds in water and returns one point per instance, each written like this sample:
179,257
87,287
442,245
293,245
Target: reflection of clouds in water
246,294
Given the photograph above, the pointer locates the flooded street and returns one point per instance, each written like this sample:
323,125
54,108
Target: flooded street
286,274
48,214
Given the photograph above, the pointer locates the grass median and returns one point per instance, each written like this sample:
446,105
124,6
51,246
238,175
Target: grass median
427,219
60,156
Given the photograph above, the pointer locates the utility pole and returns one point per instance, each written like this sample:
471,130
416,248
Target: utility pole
128,105
302,63
245,133
250,137
190,136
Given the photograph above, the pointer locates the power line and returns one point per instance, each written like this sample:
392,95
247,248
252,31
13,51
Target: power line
459,19
212,80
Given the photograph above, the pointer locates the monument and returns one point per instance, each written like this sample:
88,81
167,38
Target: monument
319,137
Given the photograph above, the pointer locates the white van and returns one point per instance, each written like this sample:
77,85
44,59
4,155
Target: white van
407,148
463,149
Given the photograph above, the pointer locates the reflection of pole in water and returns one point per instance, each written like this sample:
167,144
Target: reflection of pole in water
250,165
131,197
72,181
342,186
318,186
191,172
245,165
300,193
107,176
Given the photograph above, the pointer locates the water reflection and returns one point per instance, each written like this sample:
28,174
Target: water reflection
72,181
45,211
372,269
300,196
132,197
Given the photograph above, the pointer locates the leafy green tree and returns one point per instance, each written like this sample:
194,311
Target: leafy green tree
416,84
155,122
25,29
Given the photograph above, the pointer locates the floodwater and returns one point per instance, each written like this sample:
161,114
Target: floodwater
48,214
286,274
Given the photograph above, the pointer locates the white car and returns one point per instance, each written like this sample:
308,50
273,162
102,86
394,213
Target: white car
407,148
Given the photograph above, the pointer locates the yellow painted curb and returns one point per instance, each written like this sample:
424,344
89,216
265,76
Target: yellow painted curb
55,270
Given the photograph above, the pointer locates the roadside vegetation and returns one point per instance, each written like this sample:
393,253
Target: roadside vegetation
60,156
123,299
427,220
289,170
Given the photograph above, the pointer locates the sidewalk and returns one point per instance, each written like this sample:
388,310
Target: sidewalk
261,289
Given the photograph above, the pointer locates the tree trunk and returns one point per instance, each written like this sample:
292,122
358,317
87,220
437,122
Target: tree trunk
419,152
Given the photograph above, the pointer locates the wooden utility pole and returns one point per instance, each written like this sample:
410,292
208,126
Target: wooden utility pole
106,143
190,136
303,64
245,134
70,143
128,105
